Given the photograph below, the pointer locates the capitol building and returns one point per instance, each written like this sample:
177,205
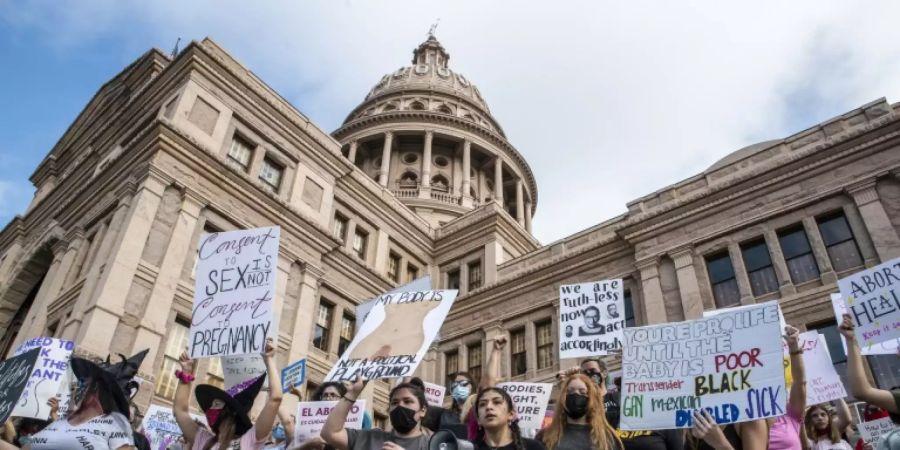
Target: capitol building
420,179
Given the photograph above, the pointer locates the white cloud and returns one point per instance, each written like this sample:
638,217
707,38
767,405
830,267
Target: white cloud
607,100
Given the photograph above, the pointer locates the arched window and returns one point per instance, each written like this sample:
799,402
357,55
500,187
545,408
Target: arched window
417,105
440,183
445,109
390,107
409,179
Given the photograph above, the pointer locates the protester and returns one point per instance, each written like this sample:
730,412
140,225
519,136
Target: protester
227,413
407,409
863,390
784,431
498,424
824,430
8,434
140,441
579,420
282,432
99,410
705,434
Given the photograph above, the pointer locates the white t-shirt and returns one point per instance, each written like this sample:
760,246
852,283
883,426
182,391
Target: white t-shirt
826,444
109,432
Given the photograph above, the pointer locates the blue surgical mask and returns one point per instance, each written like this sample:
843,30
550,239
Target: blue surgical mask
24,440
278,432
460,393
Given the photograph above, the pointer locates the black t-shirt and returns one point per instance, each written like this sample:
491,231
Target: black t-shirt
652,440
529,444
611,404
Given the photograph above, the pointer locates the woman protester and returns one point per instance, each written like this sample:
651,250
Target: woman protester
99,409
227,412
406,408
784,431
579,421
823,430
498,424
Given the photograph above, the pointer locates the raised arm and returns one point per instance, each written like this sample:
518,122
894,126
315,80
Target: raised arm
288,423
181,404
754,434
797,399
859,384
843,419
266,419
492,377
333,431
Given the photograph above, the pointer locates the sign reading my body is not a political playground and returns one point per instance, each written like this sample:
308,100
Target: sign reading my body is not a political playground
394,338
591,318
730,364
48,377
234,292
872,297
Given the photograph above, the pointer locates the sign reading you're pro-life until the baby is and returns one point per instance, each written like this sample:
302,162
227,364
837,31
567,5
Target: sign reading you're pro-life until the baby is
729,365
591,318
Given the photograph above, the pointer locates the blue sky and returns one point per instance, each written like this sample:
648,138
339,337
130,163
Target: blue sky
608,101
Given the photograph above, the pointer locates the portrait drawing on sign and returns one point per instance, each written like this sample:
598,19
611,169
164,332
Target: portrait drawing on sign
612,311
592,325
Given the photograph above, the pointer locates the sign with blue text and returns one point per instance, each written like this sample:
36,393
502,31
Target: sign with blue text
234,292
872,297
591,318
293,375
48,377
730,364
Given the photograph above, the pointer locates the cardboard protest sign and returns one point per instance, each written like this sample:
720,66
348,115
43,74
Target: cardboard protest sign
243,369
161,428
311,418
591,318
872,297
872,430
786,362
730,364
823,382
434,393
234,292
396,335
293,375
47,378
531,401
363,309
15,373
882,348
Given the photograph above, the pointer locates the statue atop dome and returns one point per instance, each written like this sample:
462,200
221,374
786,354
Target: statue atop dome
432,28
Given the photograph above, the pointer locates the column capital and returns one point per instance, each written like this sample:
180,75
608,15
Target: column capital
649,267
682,256
863,192
75,234
429,133
126,191
310,270
192,202
59,247
388,133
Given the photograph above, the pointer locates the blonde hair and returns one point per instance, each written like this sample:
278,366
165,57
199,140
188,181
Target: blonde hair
602,434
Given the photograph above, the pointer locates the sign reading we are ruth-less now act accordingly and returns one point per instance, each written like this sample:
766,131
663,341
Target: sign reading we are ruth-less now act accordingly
591,318
872,297
234,292
730,364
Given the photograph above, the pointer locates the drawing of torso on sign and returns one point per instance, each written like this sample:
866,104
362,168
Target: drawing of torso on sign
400,333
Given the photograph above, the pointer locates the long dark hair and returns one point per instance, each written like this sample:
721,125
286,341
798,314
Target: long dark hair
317,394
513,425
104,397
457,406
416,392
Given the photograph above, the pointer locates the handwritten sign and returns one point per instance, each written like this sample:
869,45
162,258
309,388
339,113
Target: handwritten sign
882,348
730,364
161,428
15,373
872,297
782,324
233,296
531,402
434,393
823,382
591,318
243,369
363,309
293,375
396,335
873,430
49,373
311,418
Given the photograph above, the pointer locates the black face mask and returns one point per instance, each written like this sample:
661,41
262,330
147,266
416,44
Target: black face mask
576,405
403,419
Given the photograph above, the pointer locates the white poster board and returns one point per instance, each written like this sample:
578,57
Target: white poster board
363,309
872,297
311,418
883,348
823,382
234,292
243,369
395,337
591,318
782,324
48,378
872,430
160,427
434,393
730,364
531,401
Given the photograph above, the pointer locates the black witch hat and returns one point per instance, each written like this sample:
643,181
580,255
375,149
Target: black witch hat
239,399
117,377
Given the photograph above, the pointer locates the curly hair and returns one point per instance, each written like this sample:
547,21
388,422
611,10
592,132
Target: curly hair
603,436
513,425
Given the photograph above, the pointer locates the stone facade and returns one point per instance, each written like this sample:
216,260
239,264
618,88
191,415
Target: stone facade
419,179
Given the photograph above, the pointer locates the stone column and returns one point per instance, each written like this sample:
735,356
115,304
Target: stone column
498,181
151,331
520,203
310,279
530,350
528,216
6,265
425,184
861,235
687,282
382,251
467,174
740,273
819,251
337,317
463,278
36,318
351,155
383,177
651,291
878,224
785,284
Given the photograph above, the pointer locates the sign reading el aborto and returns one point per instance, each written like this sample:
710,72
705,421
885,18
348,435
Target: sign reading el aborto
311,417
394,338
730,365
234,292
591,318
872,297
14,375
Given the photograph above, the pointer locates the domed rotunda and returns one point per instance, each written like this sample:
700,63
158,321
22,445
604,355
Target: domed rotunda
425,133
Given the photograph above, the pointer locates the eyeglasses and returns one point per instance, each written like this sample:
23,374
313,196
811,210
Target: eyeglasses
330,396
462,383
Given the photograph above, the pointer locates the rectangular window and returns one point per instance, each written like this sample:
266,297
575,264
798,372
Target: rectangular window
348,326
451,363
214,375
340,227
759,267
839,242
517,351
544,344
270,174
629,310
453,279
321,335
721,277
239,153
394,267
412,272
360,242
474,362
798,255
475,275
176,342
